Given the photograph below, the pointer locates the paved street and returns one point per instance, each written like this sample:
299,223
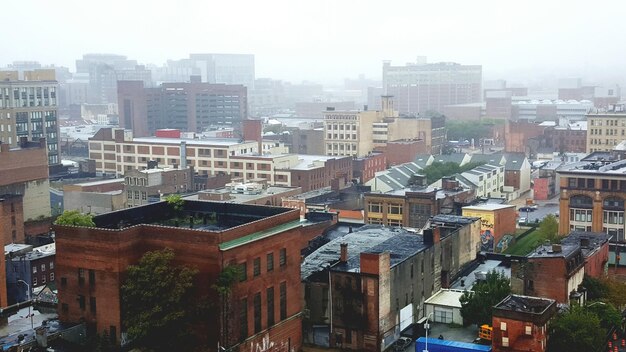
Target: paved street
544,207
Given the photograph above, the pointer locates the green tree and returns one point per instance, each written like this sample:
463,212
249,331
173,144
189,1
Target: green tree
477,305
549,228
596,289
157,306
176,201
607,313
577,330
437,170
227,278
75,218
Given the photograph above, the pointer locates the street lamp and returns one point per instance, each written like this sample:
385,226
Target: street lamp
30,303
426,327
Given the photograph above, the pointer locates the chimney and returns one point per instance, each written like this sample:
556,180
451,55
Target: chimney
431,236
343,257
556,248
183,155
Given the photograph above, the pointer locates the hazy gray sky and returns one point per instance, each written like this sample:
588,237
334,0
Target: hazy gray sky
326,40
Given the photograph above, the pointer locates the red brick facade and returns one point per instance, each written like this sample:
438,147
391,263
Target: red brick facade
104,255
366,168
404,151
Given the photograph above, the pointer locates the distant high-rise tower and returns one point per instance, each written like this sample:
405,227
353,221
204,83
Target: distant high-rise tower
422,87
226,68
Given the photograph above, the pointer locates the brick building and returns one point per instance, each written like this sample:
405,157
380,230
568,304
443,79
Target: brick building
404,151
365,168
592,195
36,267
570,139
517,135
264,241
362,287
556,271
147,186
520,323
497,220
24,171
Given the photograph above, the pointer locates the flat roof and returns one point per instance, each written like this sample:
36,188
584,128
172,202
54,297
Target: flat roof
305,161
489,206
223,142
525,304
448,298
467,282
243,198
101,182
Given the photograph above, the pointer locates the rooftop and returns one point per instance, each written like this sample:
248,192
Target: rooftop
597,163
207,216
525,304
554,251
245,198
489,206
223,142
588,241
467,282
448,298
101,182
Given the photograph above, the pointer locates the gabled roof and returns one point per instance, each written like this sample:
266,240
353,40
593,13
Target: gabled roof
493,159
456,158
514,161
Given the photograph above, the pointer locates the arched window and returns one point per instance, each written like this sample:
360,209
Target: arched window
581,201
615,203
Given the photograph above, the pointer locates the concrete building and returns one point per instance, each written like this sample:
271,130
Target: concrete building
532,110
413,207
602,97
97,197
496,221
557,271
363,288
592,195
307,141
24,172
249,193
267,302
150,185
267,98
420,87
226,68
520,323
116,151
191,107
605,130
28,108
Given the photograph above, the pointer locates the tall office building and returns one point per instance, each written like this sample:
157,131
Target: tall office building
103,72
420,87
191,107
226,68
28,108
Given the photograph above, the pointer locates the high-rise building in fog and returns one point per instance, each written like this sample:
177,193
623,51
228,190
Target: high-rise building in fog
103,72
422,87
28,108
192,107
226,68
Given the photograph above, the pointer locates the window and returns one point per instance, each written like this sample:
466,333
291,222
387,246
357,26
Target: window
81,276
63,281
81,302
283,300
395,209
505,341
43,278
257,313
34,269
51,276
244,272
34,281
92,305
375,208
51,265
282,260
243,319
92,277
529,330
270,306
257,267
270,262
43,267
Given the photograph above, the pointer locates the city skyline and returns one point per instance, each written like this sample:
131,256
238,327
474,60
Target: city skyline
329,41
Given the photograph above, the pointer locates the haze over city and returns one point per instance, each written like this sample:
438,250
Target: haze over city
326,41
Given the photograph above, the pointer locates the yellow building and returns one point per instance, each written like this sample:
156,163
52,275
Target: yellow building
496,220
605,130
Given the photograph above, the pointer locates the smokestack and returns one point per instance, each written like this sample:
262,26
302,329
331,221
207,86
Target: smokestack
183,155
343,257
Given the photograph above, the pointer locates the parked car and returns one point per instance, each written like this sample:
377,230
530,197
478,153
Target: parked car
401,344
527,209
522,221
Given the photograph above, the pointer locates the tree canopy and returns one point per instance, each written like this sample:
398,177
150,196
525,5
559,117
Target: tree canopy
477,305
437,170
75,218
460,130
577,330
549,228
156,302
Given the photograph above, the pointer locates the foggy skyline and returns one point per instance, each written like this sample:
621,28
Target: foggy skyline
326,41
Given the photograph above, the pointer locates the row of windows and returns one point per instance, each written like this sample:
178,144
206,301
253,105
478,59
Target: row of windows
43,279
390,222
599,122
256,264
340,127
43,267
257,308
610,132
340,136
590,183
391,208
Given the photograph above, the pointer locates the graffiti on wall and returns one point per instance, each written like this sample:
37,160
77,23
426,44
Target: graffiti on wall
267,345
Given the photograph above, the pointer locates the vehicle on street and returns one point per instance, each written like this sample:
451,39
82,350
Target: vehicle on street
522,221
527,209
401,344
